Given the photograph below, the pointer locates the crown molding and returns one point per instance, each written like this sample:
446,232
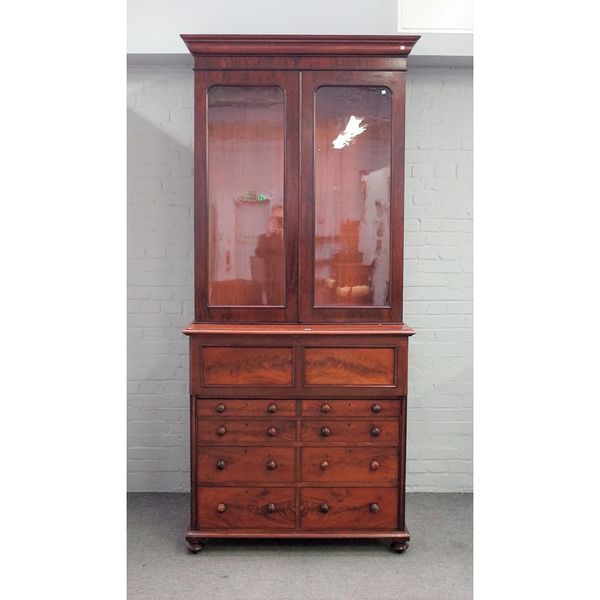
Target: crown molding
300,45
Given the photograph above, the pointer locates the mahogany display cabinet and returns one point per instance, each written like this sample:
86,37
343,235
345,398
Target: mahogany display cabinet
298,350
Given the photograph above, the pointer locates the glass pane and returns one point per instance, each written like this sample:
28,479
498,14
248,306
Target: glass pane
352,196
246,259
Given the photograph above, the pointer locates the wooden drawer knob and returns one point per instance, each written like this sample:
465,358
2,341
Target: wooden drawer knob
271,508
221,464
325,431
272,408
375,431
272,431
374,507
325,408
376,408
374,465
221,430
271,465
324,508
324,465
221,507
220,408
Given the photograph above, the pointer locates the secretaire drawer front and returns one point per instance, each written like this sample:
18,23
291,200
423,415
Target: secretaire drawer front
284,366
349,366
228,432
350,408
246,508
349,508
246,465
245,408
349,464
246,366
373,432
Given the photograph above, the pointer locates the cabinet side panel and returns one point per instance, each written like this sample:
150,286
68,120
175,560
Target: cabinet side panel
193,467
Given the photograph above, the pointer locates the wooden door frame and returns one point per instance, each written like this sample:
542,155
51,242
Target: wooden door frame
289,82
311,81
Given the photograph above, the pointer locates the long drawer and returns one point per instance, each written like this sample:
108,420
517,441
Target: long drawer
246,508
382,432
275,508
372,465
348,508
246,465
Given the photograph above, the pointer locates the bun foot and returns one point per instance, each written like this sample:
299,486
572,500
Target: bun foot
195,545
398,547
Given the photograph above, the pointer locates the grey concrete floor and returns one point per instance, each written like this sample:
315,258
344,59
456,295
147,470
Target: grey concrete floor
438,564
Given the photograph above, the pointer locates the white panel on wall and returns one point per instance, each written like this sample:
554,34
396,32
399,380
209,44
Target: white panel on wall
436,15
445,26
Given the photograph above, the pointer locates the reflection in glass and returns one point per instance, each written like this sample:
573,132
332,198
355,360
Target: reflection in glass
245,196
352,196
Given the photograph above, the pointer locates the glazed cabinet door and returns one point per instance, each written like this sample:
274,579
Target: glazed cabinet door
246,174
351,203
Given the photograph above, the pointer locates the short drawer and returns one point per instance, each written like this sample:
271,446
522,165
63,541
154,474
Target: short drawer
246,508
349,508
246,465
380,432
349,464
245,408
350,408
233,431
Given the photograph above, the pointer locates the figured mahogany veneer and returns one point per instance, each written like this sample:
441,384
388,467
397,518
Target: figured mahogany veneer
261,431
375,431
350,408
247,366
285,363
372,465
349,366
233,507
298,353
246,465
349,508
245,408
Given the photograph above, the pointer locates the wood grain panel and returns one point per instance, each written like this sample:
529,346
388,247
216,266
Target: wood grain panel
349,366
302,63
348,508
350,408
246,508
349,464
228,365
354,432
227,432
224,408
246,465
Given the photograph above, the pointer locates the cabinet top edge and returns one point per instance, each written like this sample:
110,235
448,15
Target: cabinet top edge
299,329
315,45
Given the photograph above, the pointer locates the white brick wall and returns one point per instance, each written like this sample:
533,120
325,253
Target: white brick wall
438,276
